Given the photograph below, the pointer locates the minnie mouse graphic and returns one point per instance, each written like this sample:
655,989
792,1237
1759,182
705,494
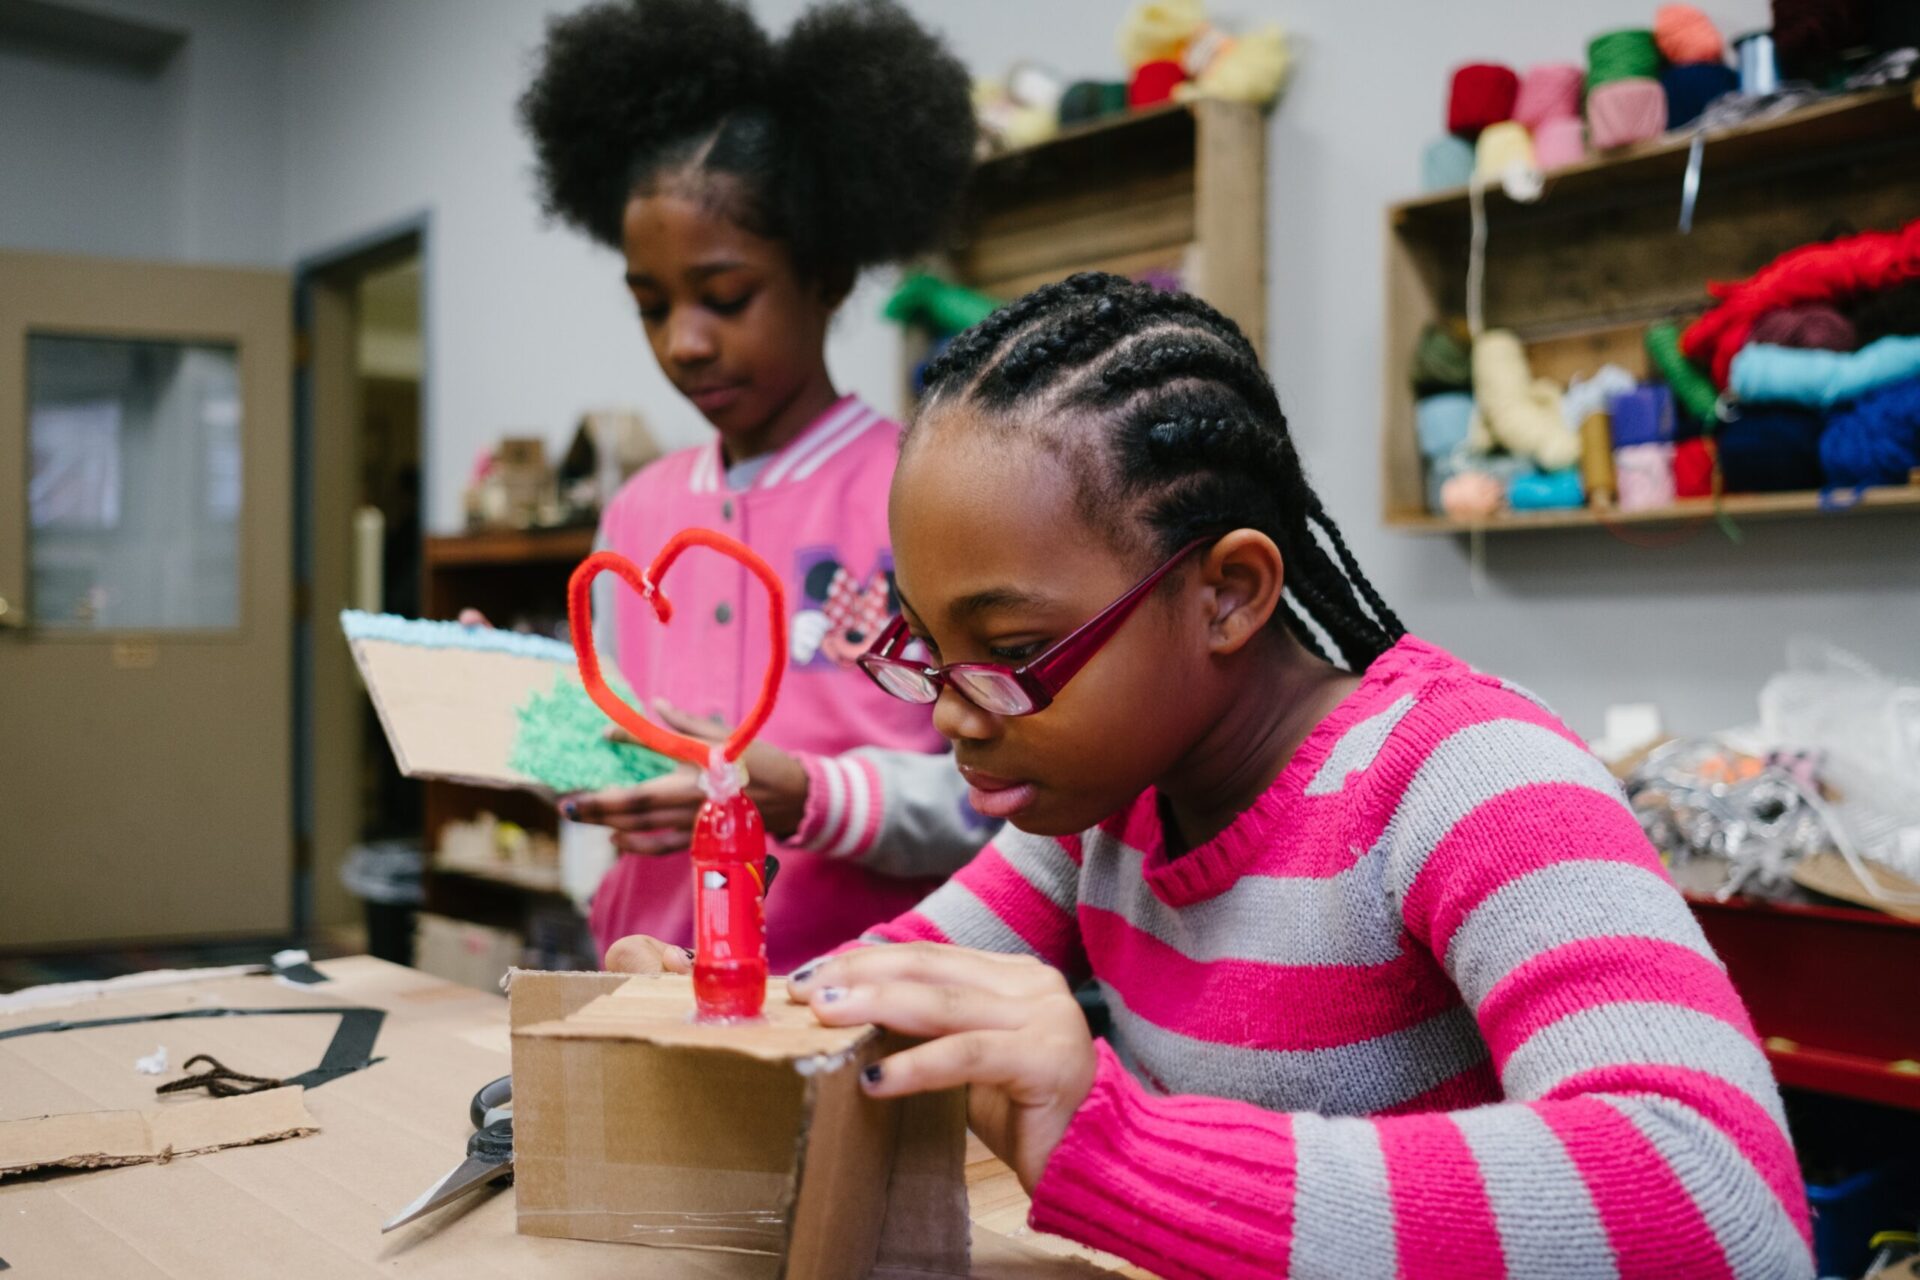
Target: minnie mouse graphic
840,612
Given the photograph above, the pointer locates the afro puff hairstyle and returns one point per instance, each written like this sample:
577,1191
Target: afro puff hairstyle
849,139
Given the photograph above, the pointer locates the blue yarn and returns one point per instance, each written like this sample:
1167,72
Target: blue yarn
1441,422
1875,440
1692,86
1771,449
1447,162
1766,374
1547,491
1644,415
451,635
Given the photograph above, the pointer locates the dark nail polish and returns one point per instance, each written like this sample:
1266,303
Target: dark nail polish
804,972
871,1074
687,952
571,809
830,994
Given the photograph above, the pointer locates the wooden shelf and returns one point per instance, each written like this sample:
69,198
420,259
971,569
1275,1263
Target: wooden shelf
1581,273
509,546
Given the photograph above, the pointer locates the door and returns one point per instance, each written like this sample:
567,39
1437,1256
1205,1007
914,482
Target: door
145,634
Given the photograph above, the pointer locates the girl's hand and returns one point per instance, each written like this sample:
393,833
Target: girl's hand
637,953
1005,1026
656,817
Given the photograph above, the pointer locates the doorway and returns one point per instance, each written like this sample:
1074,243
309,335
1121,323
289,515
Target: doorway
360,409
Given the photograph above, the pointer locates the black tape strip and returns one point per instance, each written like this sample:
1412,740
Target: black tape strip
349,1051
303,973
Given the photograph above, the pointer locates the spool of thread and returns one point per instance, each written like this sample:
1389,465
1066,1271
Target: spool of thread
1502,148
1087,100
1441,422
1549,91
1441,360
1876,439
1884,312
1559,143
1684,34
1154,82
1623,112
1759,67
1523,413
1547,491
1596,459
1630,54
1693,469
1447,162
1482,93
1813,327
1644,476
1694,86
1641,416
1472,495
1764,375
1691,387
1774,449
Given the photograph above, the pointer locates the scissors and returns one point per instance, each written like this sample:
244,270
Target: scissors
489,1153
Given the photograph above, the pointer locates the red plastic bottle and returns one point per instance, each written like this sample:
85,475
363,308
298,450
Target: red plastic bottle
729,918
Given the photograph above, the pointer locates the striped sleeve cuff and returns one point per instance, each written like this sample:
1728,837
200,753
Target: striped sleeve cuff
841,818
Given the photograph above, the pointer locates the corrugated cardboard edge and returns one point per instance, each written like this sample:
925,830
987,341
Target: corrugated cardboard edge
651,1009
376,660
98,1139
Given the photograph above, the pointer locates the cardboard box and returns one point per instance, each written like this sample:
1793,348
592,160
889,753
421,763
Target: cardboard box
753,1144
473,955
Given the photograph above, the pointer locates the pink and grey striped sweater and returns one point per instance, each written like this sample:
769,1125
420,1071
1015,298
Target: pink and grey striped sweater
1431,1006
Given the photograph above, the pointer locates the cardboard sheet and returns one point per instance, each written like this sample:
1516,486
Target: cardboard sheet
311,1209
450,713
96,1139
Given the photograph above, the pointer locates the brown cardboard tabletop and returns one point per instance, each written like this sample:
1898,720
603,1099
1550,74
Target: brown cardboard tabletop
312,1206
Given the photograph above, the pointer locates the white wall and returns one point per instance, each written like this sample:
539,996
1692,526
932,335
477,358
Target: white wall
390,109
180,165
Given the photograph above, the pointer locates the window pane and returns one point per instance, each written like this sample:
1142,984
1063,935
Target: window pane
133,488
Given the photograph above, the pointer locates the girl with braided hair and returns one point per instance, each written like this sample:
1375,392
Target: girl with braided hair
746,181
1397,984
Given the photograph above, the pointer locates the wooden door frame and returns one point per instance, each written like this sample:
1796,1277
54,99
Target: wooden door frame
326,751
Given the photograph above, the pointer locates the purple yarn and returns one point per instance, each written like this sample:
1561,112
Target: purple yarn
1771,449
1876,439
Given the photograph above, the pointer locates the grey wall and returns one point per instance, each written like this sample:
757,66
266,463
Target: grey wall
387,109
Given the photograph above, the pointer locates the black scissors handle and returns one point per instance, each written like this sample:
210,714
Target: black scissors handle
493,1142
495,1093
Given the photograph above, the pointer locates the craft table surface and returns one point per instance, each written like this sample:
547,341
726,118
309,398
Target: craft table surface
313,1205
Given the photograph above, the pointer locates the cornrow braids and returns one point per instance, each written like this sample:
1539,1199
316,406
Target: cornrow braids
1188,433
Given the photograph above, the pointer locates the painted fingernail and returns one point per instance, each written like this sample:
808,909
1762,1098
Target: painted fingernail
687,952
830,994
571,809
871,1074
805,972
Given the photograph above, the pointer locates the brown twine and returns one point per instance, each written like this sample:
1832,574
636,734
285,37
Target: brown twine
218,1079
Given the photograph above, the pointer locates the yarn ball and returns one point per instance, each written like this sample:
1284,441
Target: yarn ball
1441,422
1684,34
1483,93
1472,495
1155,29
1643,474
1621,55
1547,491
1692,87
1876,439
1447,162
1693,469
1502,148
1763,374
1549,91
1560,143
1642,416
1154,82
1815,327
1692,388
1087,100
1441,361
1886,312
1588,396
1522,412
1622,112
1771,449
1811,35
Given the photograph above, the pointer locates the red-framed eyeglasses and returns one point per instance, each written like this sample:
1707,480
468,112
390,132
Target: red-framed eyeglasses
995,687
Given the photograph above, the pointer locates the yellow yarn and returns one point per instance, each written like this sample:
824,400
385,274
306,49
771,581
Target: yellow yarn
1247,68
1521,412
1157,29
1502,146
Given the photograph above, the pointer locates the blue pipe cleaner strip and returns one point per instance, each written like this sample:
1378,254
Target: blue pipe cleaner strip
360,625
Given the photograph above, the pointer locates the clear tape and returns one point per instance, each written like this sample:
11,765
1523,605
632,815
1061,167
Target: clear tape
759,1232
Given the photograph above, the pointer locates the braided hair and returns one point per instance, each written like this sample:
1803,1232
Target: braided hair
1191,440
848,139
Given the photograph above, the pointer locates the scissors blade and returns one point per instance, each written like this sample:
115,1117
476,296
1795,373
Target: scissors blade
473,1172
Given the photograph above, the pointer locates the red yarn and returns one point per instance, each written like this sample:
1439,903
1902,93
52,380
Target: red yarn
647,583
1483,93
1693,468
1831,272
1154,82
